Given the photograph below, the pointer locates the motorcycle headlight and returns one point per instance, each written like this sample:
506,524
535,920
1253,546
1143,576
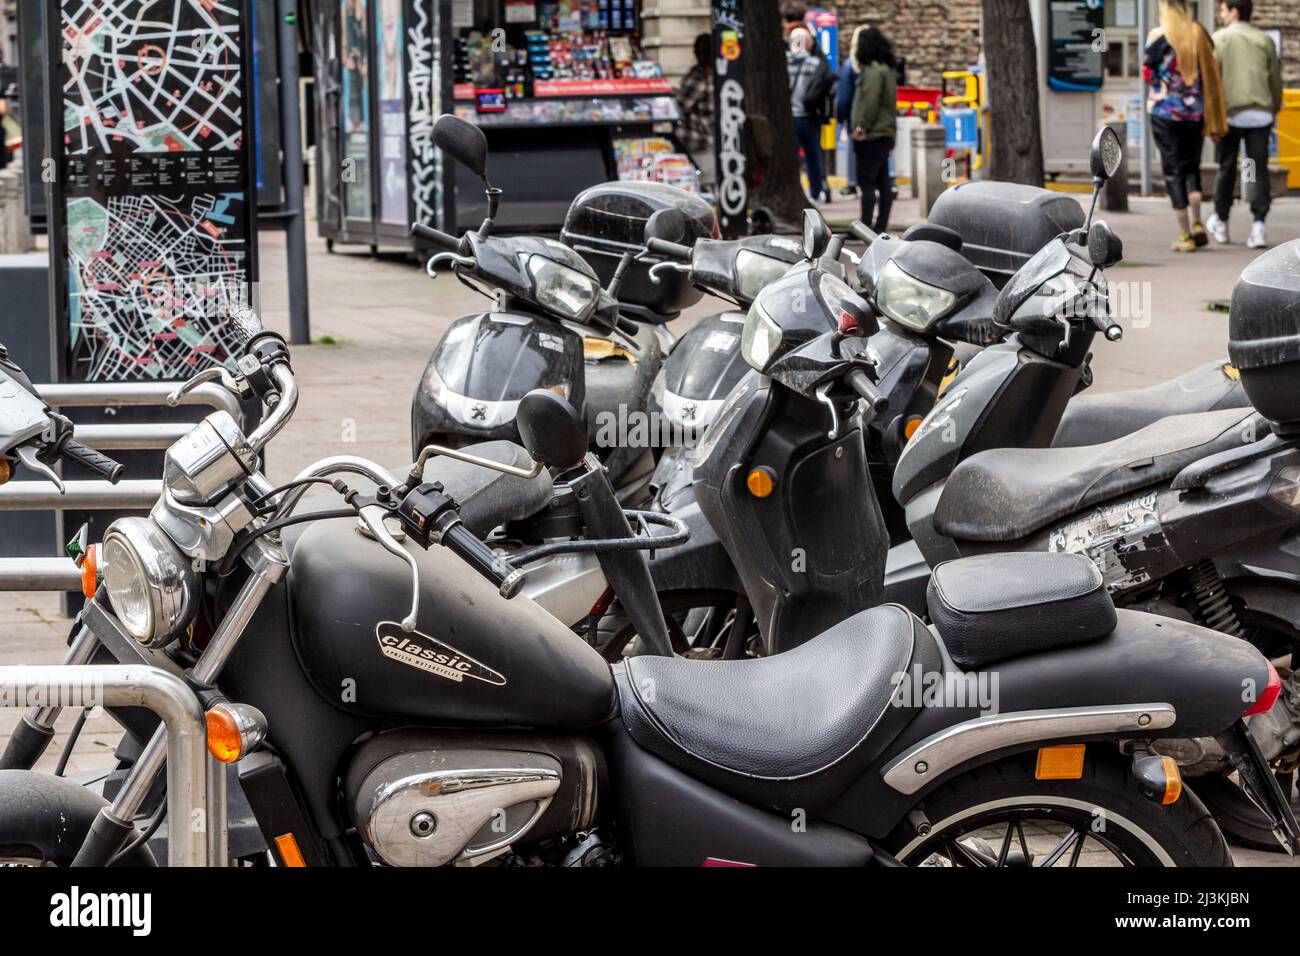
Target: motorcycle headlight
759,338
909,301
150,583
755,270
564,291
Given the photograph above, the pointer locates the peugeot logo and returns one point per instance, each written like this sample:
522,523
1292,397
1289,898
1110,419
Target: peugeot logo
478,412
688,411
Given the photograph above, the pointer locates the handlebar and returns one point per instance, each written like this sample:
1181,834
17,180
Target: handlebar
860,382
101,464
669,250
863,232
462,542
435,237
1107,327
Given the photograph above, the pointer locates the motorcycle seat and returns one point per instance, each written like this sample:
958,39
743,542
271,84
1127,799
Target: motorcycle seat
786,731
1005,494
1093,419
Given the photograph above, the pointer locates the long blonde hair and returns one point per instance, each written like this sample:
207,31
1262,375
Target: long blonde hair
1183,34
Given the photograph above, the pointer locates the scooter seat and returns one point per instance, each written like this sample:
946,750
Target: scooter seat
784,731
1092,419
1005,494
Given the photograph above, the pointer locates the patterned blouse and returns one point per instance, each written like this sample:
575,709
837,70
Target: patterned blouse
1170,97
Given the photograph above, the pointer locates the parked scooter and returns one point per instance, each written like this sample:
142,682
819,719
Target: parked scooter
551,325
344,750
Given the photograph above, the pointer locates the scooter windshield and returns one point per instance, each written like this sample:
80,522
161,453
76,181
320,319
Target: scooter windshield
1051,260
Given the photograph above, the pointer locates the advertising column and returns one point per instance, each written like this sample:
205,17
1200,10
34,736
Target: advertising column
152,205
730,112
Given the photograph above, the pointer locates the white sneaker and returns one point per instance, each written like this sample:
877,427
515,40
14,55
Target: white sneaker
1218,229
1258,239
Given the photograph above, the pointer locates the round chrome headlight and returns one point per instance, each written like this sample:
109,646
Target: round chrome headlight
151,584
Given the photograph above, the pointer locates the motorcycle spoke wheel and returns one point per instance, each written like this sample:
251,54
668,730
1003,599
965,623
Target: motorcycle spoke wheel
1026,837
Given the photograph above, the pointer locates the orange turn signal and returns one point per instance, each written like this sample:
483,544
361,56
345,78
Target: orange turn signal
224,740
1062,762
760,482
1173,781
910,427
90,571
6,471
290,855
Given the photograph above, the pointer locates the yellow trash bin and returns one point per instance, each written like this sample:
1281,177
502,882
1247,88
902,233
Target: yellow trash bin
1288,137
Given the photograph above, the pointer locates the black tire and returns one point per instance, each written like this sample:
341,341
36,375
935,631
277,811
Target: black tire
1140,831
44,820
1243,824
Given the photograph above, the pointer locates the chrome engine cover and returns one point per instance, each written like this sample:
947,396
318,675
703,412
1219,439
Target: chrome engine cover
431,807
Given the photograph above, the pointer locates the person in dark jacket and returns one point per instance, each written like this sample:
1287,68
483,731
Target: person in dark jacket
874,123
810,79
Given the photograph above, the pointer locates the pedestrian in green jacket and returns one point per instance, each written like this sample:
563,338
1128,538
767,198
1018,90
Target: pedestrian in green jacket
1252,90
874,122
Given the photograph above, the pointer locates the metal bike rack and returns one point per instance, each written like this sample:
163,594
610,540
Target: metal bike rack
196,823
39,574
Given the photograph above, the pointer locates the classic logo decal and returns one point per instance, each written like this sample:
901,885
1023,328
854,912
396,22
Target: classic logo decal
428,654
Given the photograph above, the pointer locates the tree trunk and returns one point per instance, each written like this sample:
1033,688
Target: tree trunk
1015,147
767,93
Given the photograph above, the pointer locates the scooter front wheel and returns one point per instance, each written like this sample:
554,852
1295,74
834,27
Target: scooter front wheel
44,820
1001,816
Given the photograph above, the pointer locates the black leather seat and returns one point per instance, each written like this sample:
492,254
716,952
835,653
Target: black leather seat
1092,419
786,731
1005,494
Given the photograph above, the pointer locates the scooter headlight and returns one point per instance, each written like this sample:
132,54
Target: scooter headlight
760,337
755,271
909,301
564,291
150,583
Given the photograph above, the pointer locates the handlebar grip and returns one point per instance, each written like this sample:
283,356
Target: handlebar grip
86,456
1108,328
465,545
669,250
435,237
860,382
864,232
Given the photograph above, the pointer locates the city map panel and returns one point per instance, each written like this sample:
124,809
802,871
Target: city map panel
155,186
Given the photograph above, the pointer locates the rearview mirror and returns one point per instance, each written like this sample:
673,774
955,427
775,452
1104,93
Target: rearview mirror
551,429
462,141
1104,247
668,225
816,234
1106,154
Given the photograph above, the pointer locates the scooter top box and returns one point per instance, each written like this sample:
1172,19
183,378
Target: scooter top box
609,219
1264,335
1002,224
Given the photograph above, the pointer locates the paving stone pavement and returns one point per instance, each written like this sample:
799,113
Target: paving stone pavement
383,316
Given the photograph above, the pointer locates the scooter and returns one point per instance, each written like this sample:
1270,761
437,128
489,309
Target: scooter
399,707
551,327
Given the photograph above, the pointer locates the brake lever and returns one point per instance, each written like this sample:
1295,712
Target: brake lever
215,373
373,517
455,258
823,396
27,455
667,264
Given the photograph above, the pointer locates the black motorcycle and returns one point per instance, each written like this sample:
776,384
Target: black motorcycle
386,700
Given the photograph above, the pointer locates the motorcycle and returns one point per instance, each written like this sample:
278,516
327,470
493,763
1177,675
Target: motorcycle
389,702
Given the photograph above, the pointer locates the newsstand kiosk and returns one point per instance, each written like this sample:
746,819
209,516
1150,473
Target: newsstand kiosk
560,87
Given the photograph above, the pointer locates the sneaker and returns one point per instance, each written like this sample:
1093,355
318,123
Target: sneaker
1199,235
1258,238
1184,243
1218,229
849,191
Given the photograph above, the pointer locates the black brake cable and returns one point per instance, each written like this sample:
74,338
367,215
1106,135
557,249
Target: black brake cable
72,742
228,562
280,489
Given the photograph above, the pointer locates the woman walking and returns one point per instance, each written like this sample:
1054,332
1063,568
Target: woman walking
875,110
1186,105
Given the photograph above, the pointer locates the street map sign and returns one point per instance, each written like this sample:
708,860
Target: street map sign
152,207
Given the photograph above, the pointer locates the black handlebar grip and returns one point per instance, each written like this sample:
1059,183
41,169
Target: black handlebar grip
483,559
860,382
75,451
669,250
435,237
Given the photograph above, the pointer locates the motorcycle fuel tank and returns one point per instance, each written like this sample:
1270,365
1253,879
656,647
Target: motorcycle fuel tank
484,364
473,657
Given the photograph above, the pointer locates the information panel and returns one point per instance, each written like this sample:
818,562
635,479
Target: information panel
152,207
1076,42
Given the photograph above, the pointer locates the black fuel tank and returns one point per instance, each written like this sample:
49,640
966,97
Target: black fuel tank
474,657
